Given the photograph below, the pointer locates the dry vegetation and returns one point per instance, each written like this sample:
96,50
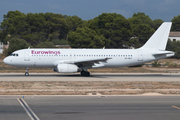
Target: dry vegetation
83,88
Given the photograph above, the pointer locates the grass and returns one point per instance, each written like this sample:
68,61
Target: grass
85,87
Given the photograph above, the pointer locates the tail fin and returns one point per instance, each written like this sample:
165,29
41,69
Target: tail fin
159,39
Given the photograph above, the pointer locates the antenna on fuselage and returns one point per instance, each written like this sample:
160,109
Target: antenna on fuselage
29,47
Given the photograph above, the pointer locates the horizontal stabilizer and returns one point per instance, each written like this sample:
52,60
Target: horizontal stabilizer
163,53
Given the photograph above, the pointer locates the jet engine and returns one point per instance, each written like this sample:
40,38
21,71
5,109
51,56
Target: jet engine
66,68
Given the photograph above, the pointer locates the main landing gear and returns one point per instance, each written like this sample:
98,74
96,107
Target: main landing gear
27,72
85,73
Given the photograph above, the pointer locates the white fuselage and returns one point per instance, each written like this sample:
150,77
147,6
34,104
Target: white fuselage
48,57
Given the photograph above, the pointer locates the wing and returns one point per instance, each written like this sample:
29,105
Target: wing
88,63
91,62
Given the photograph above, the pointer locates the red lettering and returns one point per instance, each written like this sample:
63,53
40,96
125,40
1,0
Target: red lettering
45,52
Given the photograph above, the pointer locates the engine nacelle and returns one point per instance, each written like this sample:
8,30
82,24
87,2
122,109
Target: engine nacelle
66,68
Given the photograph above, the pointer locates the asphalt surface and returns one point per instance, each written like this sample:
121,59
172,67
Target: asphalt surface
92,107
93,77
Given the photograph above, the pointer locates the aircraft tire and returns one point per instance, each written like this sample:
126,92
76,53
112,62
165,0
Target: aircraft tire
83,73
87,74
26,74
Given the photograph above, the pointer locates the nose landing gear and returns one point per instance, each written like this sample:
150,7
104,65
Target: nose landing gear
27,72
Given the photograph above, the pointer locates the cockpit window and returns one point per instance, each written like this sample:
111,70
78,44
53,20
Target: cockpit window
13,54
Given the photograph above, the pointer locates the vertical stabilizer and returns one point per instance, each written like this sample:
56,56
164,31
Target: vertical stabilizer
159,39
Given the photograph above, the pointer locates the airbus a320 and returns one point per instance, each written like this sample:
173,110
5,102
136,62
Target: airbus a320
80,60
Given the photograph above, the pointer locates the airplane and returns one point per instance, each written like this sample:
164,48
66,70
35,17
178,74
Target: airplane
80,60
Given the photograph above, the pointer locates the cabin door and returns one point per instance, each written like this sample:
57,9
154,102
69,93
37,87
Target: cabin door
140,55
27,55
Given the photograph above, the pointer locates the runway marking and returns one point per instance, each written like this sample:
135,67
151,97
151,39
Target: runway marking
176,107
28,110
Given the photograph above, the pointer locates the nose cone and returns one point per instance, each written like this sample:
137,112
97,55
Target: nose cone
6,60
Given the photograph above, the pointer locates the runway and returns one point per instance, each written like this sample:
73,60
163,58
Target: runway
94,77
92,107
95,107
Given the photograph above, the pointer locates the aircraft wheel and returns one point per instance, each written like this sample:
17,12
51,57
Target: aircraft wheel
83,73
87,74
26,74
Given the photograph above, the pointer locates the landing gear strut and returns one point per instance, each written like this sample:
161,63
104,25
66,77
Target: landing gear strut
27,72
85,73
